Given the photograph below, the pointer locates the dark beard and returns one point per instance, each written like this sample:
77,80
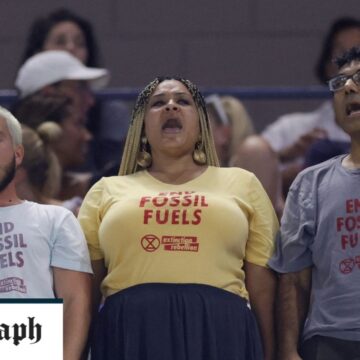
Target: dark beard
9,175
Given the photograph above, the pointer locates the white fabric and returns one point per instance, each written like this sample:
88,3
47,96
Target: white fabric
290,127
35,238
49,67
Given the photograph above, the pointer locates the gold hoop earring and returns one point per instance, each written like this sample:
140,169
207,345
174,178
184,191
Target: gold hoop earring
143,158
199,155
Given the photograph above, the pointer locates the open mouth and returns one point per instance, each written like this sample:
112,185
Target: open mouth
353,109
172,126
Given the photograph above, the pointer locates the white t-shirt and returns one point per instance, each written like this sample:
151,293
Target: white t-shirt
35,238
290,127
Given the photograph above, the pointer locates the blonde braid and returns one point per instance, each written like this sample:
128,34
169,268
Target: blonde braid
207,138
132,145
133,138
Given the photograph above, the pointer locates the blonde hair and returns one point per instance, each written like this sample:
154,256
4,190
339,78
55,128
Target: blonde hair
136,128
241,123
40,162
13,125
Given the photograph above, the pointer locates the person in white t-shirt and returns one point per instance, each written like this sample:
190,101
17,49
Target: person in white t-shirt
43,253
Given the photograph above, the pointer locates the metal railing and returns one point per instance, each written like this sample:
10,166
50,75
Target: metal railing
8,96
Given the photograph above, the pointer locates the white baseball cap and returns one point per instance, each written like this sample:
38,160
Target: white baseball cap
49,67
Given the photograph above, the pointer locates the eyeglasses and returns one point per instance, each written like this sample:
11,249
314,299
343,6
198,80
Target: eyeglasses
338,82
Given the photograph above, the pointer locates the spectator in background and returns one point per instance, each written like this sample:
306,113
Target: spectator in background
39,176
291,136
231,126
70,146
108,120
58,73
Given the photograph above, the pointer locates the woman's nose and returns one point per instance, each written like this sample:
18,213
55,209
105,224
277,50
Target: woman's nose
171,105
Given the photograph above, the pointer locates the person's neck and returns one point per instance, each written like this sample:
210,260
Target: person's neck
175,171
27,192
9,196
352,161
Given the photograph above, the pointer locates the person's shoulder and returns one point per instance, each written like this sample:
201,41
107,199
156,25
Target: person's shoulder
47,213
227,170
107,182
315,173
323,166
53,210
232,173
118,179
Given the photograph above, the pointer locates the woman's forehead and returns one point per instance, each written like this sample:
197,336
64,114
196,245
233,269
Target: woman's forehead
172,85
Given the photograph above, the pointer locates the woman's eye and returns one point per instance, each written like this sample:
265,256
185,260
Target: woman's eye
183,102
157,103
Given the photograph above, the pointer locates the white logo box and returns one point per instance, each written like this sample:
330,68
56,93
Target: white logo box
31,329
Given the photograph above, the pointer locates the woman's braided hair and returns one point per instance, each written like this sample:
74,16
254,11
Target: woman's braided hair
136,128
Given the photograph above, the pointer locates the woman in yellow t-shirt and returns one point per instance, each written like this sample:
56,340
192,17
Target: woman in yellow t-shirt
179,246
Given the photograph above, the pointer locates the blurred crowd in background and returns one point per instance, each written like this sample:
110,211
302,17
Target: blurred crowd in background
80,138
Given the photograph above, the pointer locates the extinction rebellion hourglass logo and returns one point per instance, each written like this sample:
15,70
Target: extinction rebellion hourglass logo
150,243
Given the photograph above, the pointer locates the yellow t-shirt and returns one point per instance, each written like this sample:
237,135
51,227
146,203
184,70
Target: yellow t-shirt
198,232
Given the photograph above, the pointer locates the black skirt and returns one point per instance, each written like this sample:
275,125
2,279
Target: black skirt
175,322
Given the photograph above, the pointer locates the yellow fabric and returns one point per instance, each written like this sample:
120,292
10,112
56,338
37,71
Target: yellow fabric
198,232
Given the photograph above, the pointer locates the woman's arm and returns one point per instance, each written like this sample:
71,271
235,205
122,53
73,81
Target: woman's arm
261,285
100,272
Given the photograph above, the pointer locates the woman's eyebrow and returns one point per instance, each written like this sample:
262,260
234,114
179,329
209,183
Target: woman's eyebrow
176,93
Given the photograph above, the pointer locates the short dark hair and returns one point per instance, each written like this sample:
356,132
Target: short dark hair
41,27
348,56
38,108
338,26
